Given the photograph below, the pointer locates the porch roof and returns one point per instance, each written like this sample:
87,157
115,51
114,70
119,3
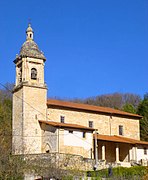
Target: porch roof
120,139
67,125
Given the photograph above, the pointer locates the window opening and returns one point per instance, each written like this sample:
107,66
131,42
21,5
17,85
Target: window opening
145,151
84,134
121,130
20,75
90,124
33,73
62,118
71,132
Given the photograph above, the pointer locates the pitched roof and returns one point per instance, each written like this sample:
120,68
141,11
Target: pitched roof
66,125
119,139
91,108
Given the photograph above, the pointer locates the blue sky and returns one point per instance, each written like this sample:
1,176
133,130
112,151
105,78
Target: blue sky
92,47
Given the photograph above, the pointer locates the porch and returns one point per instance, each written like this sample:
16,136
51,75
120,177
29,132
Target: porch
116,149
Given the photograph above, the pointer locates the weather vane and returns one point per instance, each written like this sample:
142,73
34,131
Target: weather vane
29,21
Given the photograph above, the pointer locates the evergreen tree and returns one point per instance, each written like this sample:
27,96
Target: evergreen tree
129,108
143,111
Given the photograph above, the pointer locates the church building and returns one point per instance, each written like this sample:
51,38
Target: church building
42,125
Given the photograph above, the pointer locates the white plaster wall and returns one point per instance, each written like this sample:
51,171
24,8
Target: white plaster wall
76,139
140,153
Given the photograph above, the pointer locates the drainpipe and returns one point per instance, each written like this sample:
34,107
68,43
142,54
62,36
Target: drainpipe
96,151
110,125
58,141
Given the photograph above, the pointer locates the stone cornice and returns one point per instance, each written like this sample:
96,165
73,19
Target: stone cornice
21,85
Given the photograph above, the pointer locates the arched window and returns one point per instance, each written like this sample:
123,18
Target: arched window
20,75
33,73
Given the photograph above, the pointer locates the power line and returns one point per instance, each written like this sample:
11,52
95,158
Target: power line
25,102
46,117
36,136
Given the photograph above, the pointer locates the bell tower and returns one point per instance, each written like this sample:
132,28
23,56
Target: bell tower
29,97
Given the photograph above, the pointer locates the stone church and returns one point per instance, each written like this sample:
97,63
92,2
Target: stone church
42,125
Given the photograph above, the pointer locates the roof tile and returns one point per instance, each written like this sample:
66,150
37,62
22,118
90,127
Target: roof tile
86,107
120,139
66,125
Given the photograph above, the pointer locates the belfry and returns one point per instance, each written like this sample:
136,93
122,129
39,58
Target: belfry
29,97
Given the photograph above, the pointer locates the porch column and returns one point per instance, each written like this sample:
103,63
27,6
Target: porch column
130,154
135,148
134,153
103,152
117,153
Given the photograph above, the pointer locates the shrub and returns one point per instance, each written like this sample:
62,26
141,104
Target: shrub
136,172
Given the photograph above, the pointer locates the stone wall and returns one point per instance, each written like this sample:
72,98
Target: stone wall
49,138
17,123
29,106
60,161
34,110
105,124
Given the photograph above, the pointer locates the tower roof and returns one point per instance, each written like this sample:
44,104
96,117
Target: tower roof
30,48
29,29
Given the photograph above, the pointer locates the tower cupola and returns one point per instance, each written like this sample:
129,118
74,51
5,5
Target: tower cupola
29,97
29,33
30,62
29,47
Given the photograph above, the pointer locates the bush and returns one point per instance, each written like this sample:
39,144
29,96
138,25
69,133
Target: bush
136,172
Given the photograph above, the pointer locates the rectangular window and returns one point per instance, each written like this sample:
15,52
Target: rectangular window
145,151
90,124
62,119
121,130
71,132
84,134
